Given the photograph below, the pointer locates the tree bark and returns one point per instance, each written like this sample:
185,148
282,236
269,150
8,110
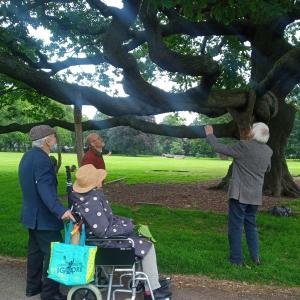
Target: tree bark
269,61
224,183
279,180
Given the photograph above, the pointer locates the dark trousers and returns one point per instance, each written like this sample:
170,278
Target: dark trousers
38,262
241,216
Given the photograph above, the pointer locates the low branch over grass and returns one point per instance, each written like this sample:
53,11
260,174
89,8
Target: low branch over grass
192,132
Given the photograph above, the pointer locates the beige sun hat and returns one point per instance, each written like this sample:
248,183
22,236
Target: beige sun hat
87,178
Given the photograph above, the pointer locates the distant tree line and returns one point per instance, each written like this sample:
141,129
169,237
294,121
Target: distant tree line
125,140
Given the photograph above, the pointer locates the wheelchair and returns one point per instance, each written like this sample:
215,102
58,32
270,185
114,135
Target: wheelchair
111,265
117,270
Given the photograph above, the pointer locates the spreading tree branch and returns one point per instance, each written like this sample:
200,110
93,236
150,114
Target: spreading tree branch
287,67
192,132
194,65
180,25
71,61
106,11
213,104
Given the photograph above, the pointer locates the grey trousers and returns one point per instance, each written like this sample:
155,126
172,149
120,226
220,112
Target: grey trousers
149,266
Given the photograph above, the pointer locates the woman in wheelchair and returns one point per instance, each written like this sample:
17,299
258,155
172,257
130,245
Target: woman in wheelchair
88,199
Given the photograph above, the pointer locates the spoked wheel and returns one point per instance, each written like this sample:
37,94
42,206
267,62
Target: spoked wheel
85,292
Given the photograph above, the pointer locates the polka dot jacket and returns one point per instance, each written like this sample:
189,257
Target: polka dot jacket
101,222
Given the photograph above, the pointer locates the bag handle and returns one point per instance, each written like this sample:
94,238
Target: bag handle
82,235
68,228
68,235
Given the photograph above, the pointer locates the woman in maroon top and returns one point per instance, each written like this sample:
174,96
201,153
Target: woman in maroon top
94,154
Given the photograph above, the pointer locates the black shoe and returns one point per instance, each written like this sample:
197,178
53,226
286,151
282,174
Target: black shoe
33,293
159,294
57,296
162,293
164,282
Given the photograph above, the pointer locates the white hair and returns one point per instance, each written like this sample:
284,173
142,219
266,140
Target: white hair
260,132
40,142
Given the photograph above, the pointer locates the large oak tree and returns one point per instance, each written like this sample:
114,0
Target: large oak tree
225,56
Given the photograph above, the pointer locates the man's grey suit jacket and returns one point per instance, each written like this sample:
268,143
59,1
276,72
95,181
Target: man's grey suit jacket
251,160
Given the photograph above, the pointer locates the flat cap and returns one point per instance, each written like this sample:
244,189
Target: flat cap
41,131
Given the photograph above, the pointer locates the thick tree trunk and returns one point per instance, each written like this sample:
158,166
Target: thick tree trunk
279,180
224,183
268,47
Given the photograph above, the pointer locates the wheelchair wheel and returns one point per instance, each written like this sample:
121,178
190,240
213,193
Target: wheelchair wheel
85,292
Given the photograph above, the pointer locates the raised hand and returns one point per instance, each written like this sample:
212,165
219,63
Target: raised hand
208,129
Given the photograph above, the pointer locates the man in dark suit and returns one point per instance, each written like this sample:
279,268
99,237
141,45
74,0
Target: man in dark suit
42,212
251,159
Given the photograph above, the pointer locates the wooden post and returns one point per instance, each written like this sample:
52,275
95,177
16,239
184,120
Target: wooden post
78,132
58,154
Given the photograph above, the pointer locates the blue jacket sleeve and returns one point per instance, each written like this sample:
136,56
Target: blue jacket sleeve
46,185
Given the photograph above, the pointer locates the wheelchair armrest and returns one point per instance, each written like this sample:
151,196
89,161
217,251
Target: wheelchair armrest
117,237
114,238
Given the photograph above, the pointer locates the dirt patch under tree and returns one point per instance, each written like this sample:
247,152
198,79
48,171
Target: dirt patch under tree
201,195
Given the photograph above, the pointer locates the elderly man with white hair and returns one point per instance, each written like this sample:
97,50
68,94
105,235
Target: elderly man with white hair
251,159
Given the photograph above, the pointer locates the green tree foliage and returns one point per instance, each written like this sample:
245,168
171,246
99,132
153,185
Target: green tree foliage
293,146
170,145
229,10
24,105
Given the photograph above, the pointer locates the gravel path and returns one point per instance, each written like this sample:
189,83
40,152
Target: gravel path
12,286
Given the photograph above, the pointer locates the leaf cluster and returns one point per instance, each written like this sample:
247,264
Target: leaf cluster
228,11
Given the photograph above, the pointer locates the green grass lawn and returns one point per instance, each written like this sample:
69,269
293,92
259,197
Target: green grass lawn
191,242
